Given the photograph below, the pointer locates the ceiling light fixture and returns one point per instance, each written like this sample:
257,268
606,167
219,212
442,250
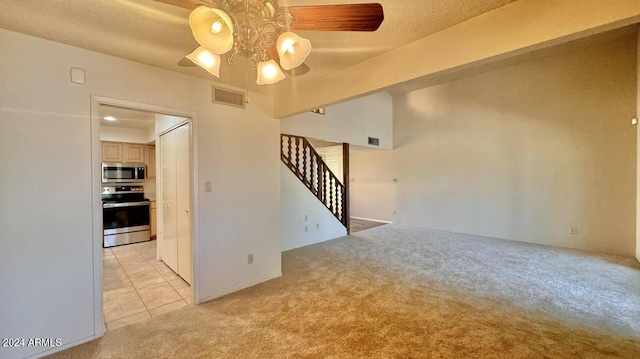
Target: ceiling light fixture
109,118
255,29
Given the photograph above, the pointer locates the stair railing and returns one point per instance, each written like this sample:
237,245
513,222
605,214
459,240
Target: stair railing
302,159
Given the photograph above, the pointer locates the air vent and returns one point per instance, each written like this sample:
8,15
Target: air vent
374,141
228,97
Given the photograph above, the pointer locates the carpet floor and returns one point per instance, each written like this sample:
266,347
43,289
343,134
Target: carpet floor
402,292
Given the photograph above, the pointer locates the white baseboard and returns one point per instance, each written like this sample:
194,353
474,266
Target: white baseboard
372,220
300,245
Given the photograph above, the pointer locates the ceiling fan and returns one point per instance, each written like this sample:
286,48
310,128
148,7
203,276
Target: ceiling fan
262,31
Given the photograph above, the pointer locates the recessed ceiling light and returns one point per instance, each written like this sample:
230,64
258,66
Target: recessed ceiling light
109,118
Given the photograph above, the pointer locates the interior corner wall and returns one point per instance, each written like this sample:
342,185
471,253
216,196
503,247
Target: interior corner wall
526,152
638,150
352,121
305,220
46,200
372,190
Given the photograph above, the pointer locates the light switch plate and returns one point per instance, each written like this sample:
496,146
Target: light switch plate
207,186
77,75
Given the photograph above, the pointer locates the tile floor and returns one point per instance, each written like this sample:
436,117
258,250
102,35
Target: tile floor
358,225
136,286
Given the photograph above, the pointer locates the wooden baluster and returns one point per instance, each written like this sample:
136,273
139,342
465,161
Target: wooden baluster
294,155
310,168
285,146
298,145
304,162
342,207
305,168
289,152
314,176
337,206
325,179
326,187
338,198
320,182
331,192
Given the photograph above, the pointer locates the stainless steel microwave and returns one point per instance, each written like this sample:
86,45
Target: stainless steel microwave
123,172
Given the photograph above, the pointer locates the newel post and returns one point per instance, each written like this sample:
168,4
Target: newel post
345,182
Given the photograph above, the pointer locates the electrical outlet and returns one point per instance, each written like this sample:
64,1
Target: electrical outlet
306,217
573,230
250,258
306,228
317,225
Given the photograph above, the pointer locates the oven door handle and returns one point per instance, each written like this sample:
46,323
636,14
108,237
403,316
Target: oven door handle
126,204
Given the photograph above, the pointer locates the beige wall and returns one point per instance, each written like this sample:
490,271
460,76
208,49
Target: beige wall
638,154
46,201
351,121
509,31
123,134
372,189
305,220
525,152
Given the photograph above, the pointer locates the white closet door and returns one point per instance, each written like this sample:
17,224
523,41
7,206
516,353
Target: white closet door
169,207
183,184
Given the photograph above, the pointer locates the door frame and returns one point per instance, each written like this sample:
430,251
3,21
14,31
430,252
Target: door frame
96,238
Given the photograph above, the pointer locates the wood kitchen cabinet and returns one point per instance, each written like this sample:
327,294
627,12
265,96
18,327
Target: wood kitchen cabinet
111,152
133,153
124,152
152,219
150,160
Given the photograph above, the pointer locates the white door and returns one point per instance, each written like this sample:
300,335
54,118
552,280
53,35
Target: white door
176,201
168,205
183,186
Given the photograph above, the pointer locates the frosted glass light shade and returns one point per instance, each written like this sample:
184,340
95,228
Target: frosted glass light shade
269,73
212,28
293,50
206,59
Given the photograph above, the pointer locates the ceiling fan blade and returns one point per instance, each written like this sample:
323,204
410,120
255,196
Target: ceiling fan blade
298,71
185,62
349,17
187,4
346,17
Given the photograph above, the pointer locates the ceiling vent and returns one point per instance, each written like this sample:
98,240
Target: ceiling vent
373,141
228,97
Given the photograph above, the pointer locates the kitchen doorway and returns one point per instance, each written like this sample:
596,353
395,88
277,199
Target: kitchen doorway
132,279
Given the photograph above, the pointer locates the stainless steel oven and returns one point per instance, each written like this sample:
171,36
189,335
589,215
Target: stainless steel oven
123,172
125,215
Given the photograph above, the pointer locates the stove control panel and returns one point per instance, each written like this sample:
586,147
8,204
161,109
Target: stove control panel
122,189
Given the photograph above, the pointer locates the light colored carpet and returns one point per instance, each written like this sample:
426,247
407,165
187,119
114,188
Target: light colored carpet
401,292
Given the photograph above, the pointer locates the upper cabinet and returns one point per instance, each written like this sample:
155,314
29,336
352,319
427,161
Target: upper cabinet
150,160
124,152
111,152
132,153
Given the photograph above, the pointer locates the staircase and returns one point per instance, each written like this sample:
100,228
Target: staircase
302,159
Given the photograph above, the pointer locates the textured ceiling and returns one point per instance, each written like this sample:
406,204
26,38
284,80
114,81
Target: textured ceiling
158,34
126,118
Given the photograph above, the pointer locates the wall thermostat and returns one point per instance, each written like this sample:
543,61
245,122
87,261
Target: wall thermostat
77,75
